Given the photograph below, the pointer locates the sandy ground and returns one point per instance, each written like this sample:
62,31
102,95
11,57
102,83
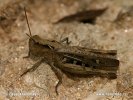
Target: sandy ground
106,34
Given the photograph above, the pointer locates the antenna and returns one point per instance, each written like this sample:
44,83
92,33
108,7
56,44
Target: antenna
27,23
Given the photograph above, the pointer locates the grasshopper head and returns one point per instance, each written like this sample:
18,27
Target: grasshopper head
36,40
37,49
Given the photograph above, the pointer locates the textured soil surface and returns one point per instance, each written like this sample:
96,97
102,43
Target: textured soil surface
109,32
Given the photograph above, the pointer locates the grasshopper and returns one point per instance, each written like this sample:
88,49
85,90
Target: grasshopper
75,60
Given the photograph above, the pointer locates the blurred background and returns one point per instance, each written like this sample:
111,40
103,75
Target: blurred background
111,29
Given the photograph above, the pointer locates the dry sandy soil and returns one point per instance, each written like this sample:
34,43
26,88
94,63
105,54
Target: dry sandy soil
107,33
